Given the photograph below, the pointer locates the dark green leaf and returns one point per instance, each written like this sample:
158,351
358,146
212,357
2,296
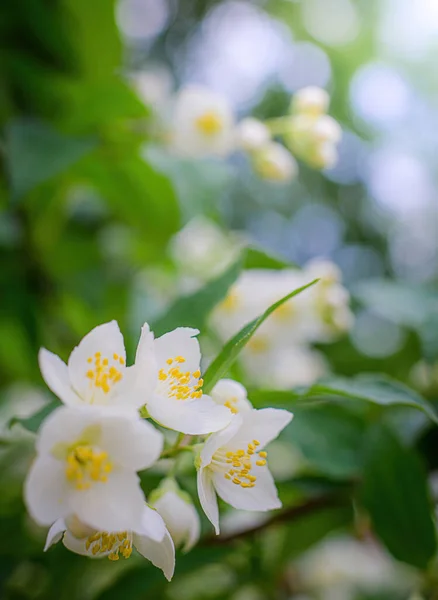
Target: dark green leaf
230,351
375,389
395,493
33,423
36,152
192,310
257,258
428,332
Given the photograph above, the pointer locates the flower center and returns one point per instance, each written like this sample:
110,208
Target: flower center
258,344
284,312
181,385
112,543
231,404
230,303
104,372
240,461
209,123
86,466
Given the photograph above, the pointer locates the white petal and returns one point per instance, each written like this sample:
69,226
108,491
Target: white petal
194,529
106,339
151,525
116,505
194,417
78,546
181,519
65,426
179,342
45,491
55,533
207,497
263,496
55,374
140,380
263,425
161,554
232,392
130,441
219,439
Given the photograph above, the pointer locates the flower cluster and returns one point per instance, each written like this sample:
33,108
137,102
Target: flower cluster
280,353
84,482
199,122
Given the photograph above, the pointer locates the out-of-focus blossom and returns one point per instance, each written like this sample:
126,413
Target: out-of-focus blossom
150,537
252,134
312,101
314,139
202,249
153,85
203,124
341,567
232,463
180,516
274,162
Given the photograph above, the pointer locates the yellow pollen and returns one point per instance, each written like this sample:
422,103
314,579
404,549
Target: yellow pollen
231,407
112,544
210,123
230,303
180,385
258,344
104,375
284,311
240,462
86,466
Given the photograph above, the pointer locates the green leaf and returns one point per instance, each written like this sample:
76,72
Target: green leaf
230,351
330,438
376,389
192,310
395,493
257,258
35,152
33,423
428,332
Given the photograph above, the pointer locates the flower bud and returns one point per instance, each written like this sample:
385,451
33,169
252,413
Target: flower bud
275,163
312,101
176,508
252,134
324,156
326,129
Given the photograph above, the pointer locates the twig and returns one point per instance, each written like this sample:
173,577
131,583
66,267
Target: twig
292,513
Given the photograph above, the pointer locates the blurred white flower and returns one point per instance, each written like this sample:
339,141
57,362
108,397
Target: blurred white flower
180,516
232,463
153,85
340,567
252,134
86,465
178,402
203,123
97,374
231,394
203,250
150,537
274,162
313,101
314,139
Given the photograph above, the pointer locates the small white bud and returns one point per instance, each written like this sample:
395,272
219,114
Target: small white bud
327,129
177,511
312,100
252,134
275,163
324,156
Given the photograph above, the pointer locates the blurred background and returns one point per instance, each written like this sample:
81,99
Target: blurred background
92,202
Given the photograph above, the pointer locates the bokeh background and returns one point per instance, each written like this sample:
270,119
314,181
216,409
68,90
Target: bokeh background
90,201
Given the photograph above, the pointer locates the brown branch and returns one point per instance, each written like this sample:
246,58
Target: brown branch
293,513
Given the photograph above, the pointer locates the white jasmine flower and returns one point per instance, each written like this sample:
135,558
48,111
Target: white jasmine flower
231,394
150,537
203,123
97,374
180,516
178,402
232,464
313,101
85,465
326,129
252,134
314,139
274,162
